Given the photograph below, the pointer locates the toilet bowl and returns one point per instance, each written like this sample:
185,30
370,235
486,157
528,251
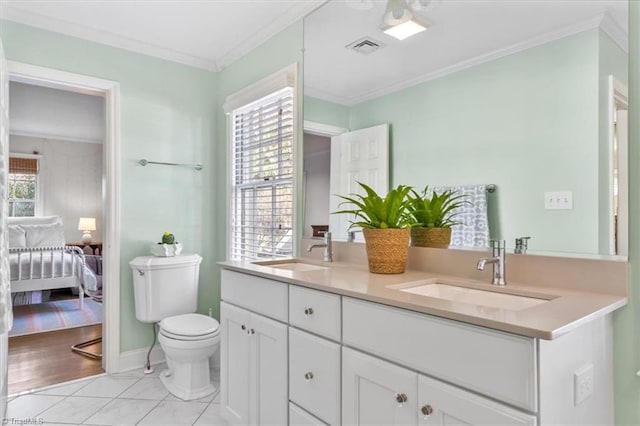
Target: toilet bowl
188,341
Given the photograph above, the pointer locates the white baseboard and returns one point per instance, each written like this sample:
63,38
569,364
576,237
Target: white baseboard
137,358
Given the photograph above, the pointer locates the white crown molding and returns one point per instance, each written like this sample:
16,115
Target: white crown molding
295,12
615,31
14,14
286,77
51,136
591,23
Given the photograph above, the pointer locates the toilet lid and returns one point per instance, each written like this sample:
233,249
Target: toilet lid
189,325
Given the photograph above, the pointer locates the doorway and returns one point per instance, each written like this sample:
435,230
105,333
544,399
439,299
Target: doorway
108,91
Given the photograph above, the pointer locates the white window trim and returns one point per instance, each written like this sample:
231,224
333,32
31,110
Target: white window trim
39,208
286,77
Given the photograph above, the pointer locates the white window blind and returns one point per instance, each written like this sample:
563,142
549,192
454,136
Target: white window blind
261,215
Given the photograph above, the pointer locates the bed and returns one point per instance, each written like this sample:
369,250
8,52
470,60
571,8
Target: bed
39,258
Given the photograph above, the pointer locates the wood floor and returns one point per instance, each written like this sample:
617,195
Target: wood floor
44,359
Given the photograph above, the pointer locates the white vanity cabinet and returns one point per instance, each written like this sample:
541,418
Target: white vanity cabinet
253,355
314,352
294,355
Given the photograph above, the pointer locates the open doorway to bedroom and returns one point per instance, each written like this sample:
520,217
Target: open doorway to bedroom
57,216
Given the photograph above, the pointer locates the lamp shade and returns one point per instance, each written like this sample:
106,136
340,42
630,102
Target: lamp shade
87,224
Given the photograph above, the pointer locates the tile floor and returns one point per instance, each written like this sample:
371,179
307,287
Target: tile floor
129,398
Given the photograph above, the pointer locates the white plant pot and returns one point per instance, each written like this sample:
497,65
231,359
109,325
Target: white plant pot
166,250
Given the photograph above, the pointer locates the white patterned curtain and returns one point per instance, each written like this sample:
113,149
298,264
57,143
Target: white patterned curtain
6,317
473,230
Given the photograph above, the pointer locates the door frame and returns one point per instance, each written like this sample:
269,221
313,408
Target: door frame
110,91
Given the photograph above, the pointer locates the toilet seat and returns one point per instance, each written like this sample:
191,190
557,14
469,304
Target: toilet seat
189,327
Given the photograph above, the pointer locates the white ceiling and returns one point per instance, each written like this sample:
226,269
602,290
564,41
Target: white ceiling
211,34
208,34
48,113
462,33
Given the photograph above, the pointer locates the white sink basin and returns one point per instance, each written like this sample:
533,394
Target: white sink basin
290,265
473,296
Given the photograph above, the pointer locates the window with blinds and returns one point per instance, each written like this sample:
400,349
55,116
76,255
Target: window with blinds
23,181
261,211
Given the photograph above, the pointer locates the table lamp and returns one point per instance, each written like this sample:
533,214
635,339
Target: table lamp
86,225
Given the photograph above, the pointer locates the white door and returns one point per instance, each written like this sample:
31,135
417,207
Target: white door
358,156
375,392
5,292
234,360
269,399
442,405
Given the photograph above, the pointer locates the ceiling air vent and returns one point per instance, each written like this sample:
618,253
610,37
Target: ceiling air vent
365,45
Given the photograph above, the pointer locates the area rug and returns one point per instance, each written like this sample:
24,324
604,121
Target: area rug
49,316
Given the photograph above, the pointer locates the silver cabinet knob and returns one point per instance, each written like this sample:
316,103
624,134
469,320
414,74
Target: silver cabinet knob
426,410
308,311
243,327
252,331
308,376
401,398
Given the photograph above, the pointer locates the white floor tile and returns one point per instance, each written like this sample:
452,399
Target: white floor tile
139,372
146,388
211,416
65,390
28,406
74,409
107,386
122,412
174,413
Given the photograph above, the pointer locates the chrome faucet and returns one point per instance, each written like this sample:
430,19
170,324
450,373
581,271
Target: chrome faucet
521,245
327,255
352,235
498,261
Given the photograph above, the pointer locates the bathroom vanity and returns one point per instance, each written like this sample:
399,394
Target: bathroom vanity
316,343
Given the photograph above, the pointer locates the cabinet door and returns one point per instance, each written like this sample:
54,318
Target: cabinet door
268,372
442,404
375,392
234,363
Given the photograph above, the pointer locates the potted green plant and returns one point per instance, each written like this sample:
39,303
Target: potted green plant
434,215
385,223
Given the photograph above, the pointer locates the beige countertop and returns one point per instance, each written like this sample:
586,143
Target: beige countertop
564,311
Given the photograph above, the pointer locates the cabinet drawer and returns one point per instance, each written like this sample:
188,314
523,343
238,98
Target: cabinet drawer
266,297
299,417
497,364
314,375
315,311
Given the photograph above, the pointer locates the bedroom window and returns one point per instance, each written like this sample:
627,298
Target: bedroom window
261,177
23,185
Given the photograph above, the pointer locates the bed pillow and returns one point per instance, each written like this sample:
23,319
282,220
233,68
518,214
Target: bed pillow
17,236
51,235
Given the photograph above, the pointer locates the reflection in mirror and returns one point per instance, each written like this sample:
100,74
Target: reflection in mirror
527,95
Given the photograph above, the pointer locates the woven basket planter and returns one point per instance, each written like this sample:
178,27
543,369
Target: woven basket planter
387,250
431,237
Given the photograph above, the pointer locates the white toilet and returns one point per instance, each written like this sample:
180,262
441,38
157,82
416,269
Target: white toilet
166,291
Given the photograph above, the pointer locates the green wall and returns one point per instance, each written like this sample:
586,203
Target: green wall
166,115
627,320
326,112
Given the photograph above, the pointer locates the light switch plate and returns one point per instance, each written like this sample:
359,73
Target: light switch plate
558,200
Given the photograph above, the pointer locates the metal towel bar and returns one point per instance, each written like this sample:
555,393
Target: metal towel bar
144,162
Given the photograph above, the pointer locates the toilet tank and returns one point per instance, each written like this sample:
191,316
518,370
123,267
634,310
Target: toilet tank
165,286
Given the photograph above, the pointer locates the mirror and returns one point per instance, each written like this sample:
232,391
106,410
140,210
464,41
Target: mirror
528,96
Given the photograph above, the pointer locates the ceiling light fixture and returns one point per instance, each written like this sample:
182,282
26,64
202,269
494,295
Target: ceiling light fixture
399,20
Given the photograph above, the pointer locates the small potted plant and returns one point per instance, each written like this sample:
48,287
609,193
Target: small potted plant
167,247
385,223
433,216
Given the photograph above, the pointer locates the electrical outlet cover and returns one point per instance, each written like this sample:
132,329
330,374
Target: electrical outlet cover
582,384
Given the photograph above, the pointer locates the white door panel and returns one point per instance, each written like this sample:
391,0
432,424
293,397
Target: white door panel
358,156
